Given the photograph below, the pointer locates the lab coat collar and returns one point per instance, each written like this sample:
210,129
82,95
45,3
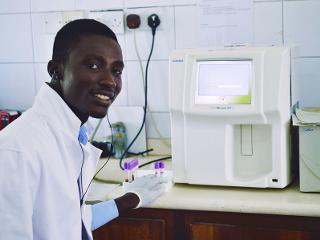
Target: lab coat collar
50,105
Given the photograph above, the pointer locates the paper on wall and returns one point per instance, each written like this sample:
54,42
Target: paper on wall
225,22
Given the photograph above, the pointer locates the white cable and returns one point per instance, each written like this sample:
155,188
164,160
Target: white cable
153,122
95,130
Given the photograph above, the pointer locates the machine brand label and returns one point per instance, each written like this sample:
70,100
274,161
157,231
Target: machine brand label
177,60
308,129
223,107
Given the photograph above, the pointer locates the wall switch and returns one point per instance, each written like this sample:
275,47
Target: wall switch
55,21
71,16
113,19
52,23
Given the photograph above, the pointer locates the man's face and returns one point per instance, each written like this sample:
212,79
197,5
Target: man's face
92,75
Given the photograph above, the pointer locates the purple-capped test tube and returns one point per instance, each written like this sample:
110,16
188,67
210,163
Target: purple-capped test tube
127,171
161,167
156,168
130,167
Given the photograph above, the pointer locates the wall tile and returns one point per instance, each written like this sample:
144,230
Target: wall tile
98,4
17,6
134,83
267,30
185,27
184,2
48,5
144,3
41,74
270,0
160,146
164,38
17,86
45,26
307,86
122,43
301,26
160,121
157,85
16,38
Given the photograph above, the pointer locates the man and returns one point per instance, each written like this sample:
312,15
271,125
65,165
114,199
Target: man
46,164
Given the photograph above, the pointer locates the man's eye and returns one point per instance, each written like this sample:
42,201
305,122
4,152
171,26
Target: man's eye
93,66
117,72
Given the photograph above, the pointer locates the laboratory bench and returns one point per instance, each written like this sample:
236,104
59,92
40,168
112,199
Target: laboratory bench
191,212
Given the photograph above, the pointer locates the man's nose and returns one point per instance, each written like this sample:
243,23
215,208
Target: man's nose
108,79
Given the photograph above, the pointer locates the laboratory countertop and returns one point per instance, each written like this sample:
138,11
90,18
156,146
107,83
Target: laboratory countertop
287,201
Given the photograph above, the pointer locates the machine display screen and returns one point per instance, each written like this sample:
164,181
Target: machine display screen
223,82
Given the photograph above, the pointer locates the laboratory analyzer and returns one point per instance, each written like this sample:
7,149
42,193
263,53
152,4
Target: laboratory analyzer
230,116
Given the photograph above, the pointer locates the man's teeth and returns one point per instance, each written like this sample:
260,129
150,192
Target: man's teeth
102,97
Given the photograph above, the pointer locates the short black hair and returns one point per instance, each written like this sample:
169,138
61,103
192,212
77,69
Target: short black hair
70,34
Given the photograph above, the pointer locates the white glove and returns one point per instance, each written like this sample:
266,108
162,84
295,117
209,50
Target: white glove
147,188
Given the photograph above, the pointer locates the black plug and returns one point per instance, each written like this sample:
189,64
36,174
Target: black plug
153,22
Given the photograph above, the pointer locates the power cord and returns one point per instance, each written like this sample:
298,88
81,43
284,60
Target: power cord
153,121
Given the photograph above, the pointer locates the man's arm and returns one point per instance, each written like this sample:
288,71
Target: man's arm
139,193
104,212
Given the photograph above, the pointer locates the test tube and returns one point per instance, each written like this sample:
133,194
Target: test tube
161,167
130,168
156,168
134,165
126,168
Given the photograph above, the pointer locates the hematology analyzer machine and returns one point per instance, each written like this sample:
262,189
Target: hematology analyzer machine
230,116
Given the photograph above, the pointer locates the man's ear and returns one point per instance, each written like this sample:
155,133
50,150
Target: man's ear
55,70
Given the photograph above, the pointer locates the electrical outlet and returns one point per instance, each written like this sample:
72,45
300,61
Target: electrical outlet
144,19
113,19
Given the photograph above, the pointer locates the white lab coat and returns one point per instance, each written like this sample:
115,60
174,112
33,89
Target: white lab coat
40,162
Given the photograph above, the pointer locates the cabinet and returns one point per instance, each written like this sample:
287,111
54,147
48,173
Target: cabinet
165,224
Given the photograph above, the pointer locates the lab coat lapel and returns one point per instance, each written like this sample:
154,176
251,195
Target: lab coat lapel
91,157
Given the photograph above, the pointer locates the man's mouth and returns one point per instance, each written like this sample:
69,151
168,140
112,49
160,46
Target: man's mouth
102,97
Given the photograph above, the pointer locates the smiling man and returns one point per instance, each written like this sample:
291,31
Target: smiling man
46,164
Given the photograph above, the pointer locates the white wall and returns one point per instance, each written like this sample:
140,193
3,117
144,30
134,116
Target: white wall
28,28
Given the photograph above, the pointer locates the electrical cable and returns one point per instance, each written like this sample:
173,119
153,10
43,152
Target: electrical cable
81,192
95,130
110,148
145,104
166,142
141,153
80,185
152,161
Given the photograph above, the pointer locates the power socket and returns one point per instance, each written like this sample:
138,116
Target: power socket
113,19
144,22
